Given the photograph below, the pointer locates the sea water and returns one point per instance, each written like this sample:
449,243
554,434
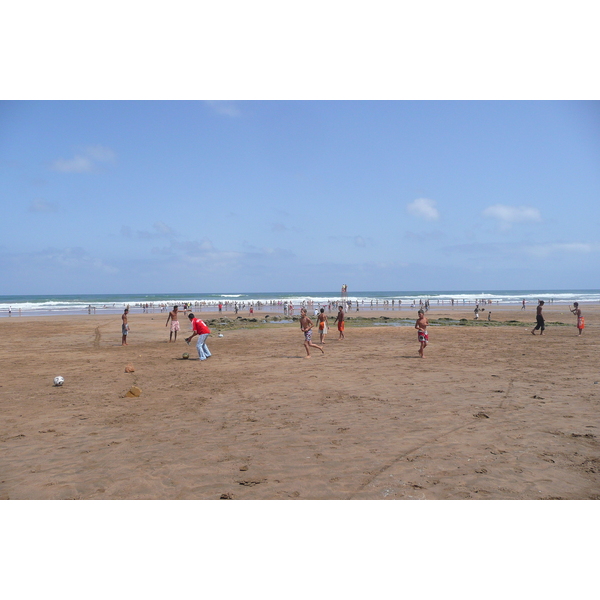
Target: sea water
274,302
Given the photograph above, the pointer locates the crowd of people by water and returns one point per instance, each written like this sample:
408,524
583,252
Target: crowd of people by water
287,307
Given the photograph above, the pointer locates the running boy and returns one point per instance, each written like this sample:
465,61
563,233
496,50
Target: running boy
421,327
306,326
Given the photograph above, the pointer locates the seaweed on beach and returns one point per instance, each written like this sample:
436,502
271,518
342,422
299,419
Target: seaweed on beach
262,321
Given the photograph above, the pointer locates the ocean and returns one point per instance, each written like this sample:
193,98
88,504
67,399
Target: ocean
114,303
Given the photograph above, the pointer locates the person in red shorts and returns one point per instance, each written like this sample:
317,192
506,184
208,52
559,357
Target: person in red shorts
322,325
202,331
340,322
577,312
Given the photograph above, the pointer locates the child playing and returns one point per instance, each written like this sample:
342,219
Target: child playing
322,325
421,327
577,312
306,326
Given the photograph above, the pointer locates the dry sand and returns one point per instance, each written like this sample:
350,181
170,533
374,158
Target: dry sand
490,413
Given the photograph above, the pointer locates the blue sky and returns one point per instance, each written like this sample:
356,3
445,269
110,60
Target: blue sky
178,196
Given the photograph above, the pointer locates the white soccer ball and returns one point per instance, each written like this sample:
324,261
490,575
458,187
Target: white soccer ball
58,380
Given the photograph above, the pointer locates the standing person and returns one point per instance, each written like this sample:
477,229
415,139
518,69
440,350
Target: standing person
340,322
174,317
202,331
306,326
580,321
322,324
539,319
124,328
421,327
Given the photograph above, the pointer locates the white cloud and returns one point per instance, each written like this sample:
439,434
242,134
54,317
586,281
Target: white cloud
356,241
224,108
83,163
544,250
427,237
507,215
78,164
100,153
161,230
72,258
424,208
42,206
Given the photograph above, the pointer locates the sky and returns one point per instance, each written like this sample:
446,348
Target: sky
248,196
250,147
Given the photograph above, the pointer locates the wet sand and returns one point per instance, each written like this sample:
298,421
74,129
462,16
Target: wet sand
492,412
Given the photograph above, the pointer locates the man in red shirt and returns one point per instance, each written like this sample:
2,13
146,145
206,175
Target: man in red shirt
202,331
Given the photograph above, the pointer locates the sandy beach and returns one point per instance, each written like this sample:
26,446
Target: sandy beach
492,412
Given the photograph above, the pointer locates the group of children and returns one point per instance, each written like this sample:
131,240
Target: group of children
421,326
306,326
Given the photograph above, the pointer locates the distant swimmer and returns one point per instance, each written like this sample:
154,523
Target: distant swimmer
577,312
421,327
540,323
